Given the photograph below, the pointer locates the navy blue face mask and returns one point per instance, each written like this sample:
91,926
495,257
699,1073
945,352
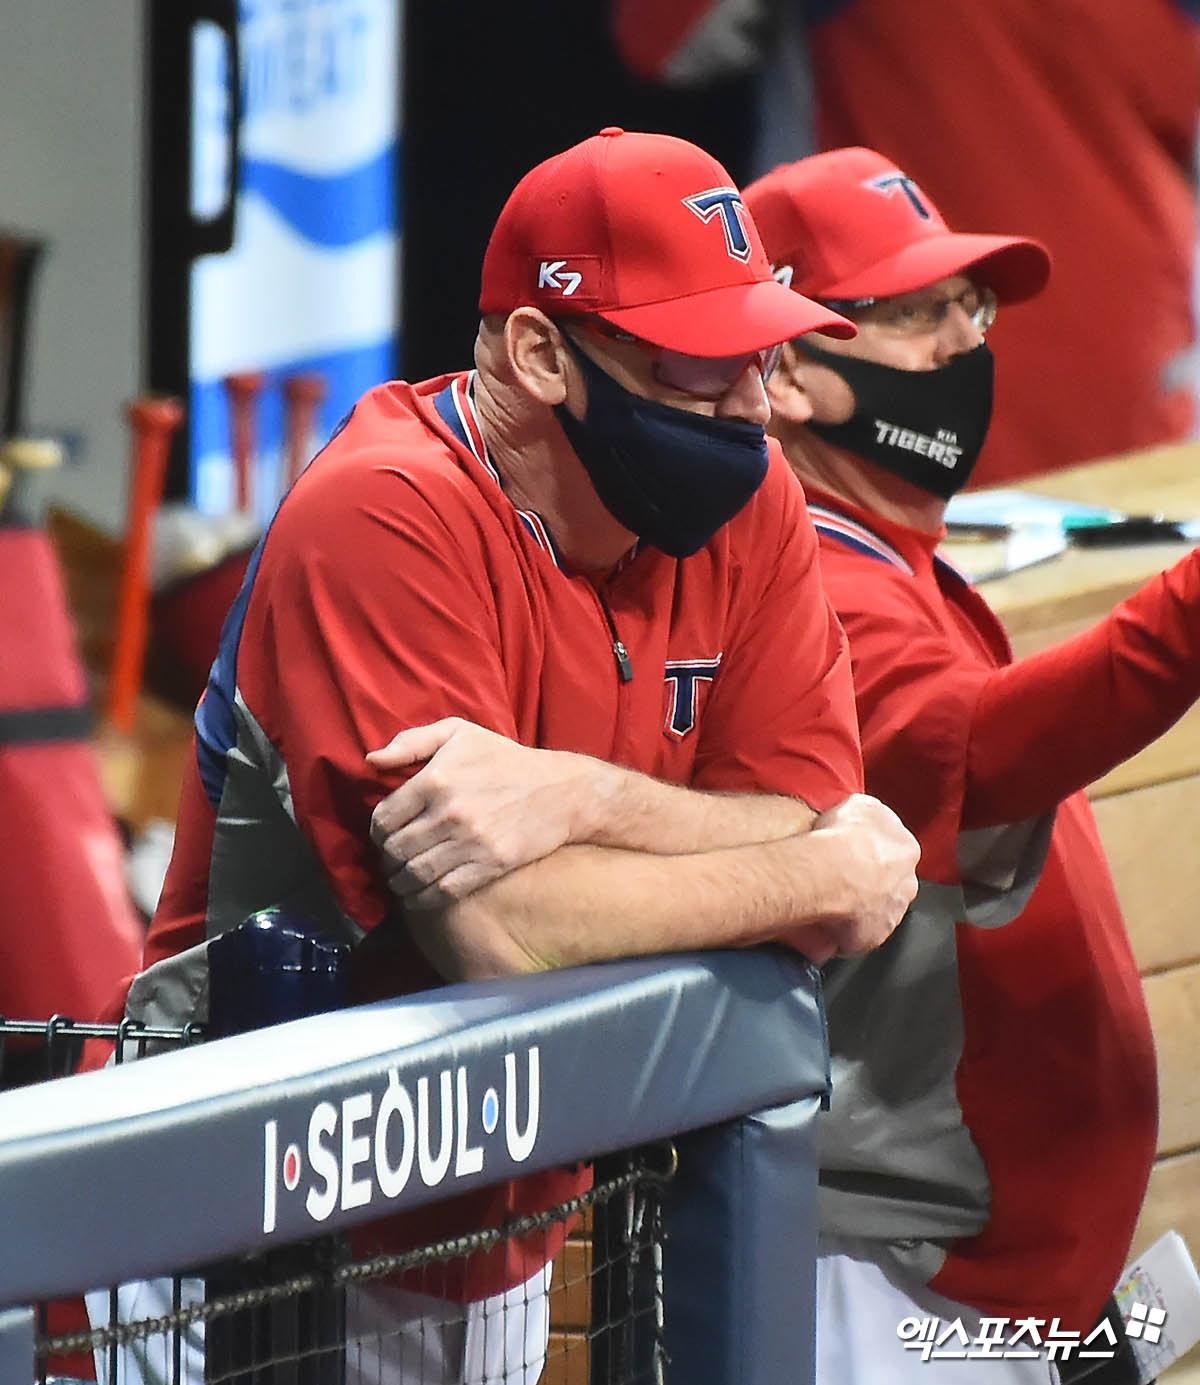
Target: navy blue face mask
671,477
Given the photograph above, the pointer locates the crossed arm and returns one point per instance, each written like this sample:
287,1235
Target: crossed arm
516,859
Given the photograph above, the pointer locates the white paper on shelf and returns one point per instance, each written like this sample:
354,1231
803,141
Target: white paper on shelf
1016,508
1023,547
1162,1280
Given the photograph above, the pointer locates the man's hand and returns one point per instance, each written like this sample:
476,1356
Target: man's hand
870,859
480,806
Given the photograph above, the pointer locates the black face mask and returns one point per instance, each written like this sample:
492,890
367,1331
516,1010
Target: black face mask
671,477
926,426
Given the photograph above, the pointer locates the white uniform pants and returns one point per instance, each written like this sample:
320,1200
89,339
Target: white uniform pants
393,1336
860,1306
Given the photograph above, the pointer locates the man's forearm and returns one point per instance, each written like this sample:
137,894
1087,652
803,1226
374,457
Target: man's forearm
588,903
482,805
840,889
620,807
1097,699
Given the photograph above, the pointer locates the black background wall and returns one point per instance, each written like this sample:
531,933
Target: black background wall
490,90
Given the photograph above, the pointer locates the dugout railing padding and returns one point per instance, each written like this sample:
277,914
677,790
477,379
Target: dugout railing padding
202,1154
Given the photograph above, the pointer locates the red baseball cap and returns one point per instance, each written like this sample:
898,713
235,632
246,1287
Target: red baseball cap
649,233
852,225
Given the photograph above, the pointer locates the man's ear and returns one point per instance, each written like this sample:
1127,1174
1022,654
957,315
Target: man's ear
536,355
786,389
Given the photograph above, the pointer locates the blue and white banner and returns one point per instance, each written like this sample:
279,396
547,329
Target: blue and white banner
311,283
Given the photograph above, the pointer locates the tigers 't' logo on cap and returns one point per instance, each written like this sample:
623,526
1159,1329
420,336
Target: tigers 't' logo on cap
890,183
727,204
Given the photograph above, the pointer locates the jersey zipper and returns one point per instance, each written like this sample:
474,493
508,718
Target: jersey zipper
620,653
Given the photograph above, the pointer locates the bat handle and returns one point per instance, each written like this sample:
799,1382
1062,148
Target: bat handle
153,421
302,394
243,391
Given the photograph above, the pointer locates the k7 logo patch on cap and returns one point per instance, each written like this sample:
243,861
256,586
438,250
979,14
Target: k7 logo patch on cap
727,204
575,279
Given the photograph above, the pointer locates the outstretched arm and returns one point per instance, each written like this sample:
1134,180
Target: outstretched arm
1057,720
1006,744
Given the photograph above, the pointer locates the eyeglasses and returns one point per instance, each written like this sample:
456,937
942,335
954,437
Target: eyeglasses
919,313
701,377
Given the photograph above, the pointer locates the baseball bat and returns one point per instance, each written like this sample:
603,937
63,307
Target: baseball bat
153,420
302,394
243,391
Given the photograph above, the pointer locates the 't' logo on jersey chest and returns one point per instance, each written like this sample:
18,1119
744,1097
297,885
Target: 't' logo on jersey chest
684,680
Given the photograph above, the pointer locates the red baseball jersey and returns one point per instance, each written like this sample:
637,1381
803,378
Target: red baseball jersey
397,585
994,1101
